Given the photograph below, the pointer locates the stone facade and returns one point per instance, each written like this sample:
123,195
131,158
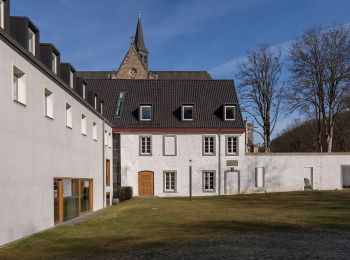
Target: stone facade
132,67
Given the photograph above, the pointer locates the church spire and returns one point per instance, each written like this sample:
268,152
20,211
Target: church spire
139,39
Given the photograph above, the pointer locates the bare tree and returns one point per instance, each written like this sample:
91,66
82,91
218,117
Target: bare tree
320,66
306,91
260,90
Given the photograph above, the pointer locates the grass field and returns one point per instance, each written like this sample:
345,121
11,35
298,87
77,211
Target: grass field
214,227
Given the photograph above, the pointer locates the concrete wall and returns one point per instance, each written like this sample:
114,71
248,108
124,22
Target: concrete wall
34,149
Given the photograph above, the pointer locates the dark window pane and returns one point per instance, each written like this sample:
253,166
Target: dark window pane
188,113
230,112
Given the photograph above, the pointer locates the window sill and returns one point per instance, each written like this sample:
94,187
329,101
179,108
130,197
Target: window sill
209,191
232,154
94,139
49,117
230,119
84,134
19,103
170,191
212,154
69,127
145,154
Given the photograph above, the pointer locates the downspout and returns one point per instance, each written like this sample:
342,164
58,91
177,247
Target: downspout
103,162
219,161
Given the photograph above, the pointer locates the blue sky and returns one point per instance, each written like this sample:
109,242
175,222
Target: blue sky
180,34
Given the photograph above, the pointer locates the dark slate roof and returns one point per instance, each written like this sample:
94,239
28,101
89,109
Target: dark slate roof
139,40
94,74
182,75
166,98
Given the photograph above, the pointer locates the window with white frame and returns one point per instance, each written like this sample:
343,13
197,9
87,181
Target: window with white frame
208,180
101,108
120,104
145,145
54,63
169,181
110,140
71,79
231,145
94,131
84,91
259,177
169,145
95,102
145,112
230,112
48,103
209,145
69,116
106,138
2,14
19,86
83,125
187,112
31,41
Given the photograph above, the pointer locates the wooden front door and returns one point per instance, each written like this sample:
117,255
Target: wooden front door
146,181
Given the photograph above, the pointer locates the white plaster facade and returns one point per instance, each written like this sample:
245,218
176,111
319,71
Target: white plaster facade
282,172
35,149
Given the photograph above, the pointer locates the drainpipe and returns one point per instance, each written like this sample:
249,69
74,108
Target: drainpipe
219,162
103,162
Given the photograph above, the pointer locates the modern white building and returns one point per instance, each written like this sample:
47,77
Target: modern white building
56,147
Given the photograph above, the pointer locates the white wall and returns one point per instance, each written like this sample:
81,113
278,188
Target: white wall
189,147
34,150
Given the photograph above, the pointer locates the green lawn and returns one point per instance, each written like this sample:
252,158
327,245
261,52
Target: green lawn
145,225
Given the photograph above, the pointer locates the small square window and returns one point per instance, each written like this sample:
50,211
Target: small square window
208,181
187,112
19,86
94,131
145,145
69,116
230,113
83,125
145,113
170,181
31,41
48,103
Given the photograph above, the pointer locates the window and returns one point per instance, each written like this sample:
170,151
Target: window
208,181
19,86
110,140
169,145
209,145
101,108
54,63
48,104
2,14
230,113
69,116
170,181
146,113
83,125
31,41
145,145
231,145
187,113
95,102
108,173
94,131
84,91
120,104
106,138
133,72
71,79
259,177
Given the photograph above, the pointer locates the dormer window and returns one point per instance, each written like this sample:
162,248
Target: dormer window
95,102
101,108
31,41
120,104
230,113
2,14
187,112
84,91
146,113
71,79
54,63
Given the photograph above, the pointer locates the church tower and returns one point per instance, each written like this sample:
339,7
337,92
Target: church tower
135,63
